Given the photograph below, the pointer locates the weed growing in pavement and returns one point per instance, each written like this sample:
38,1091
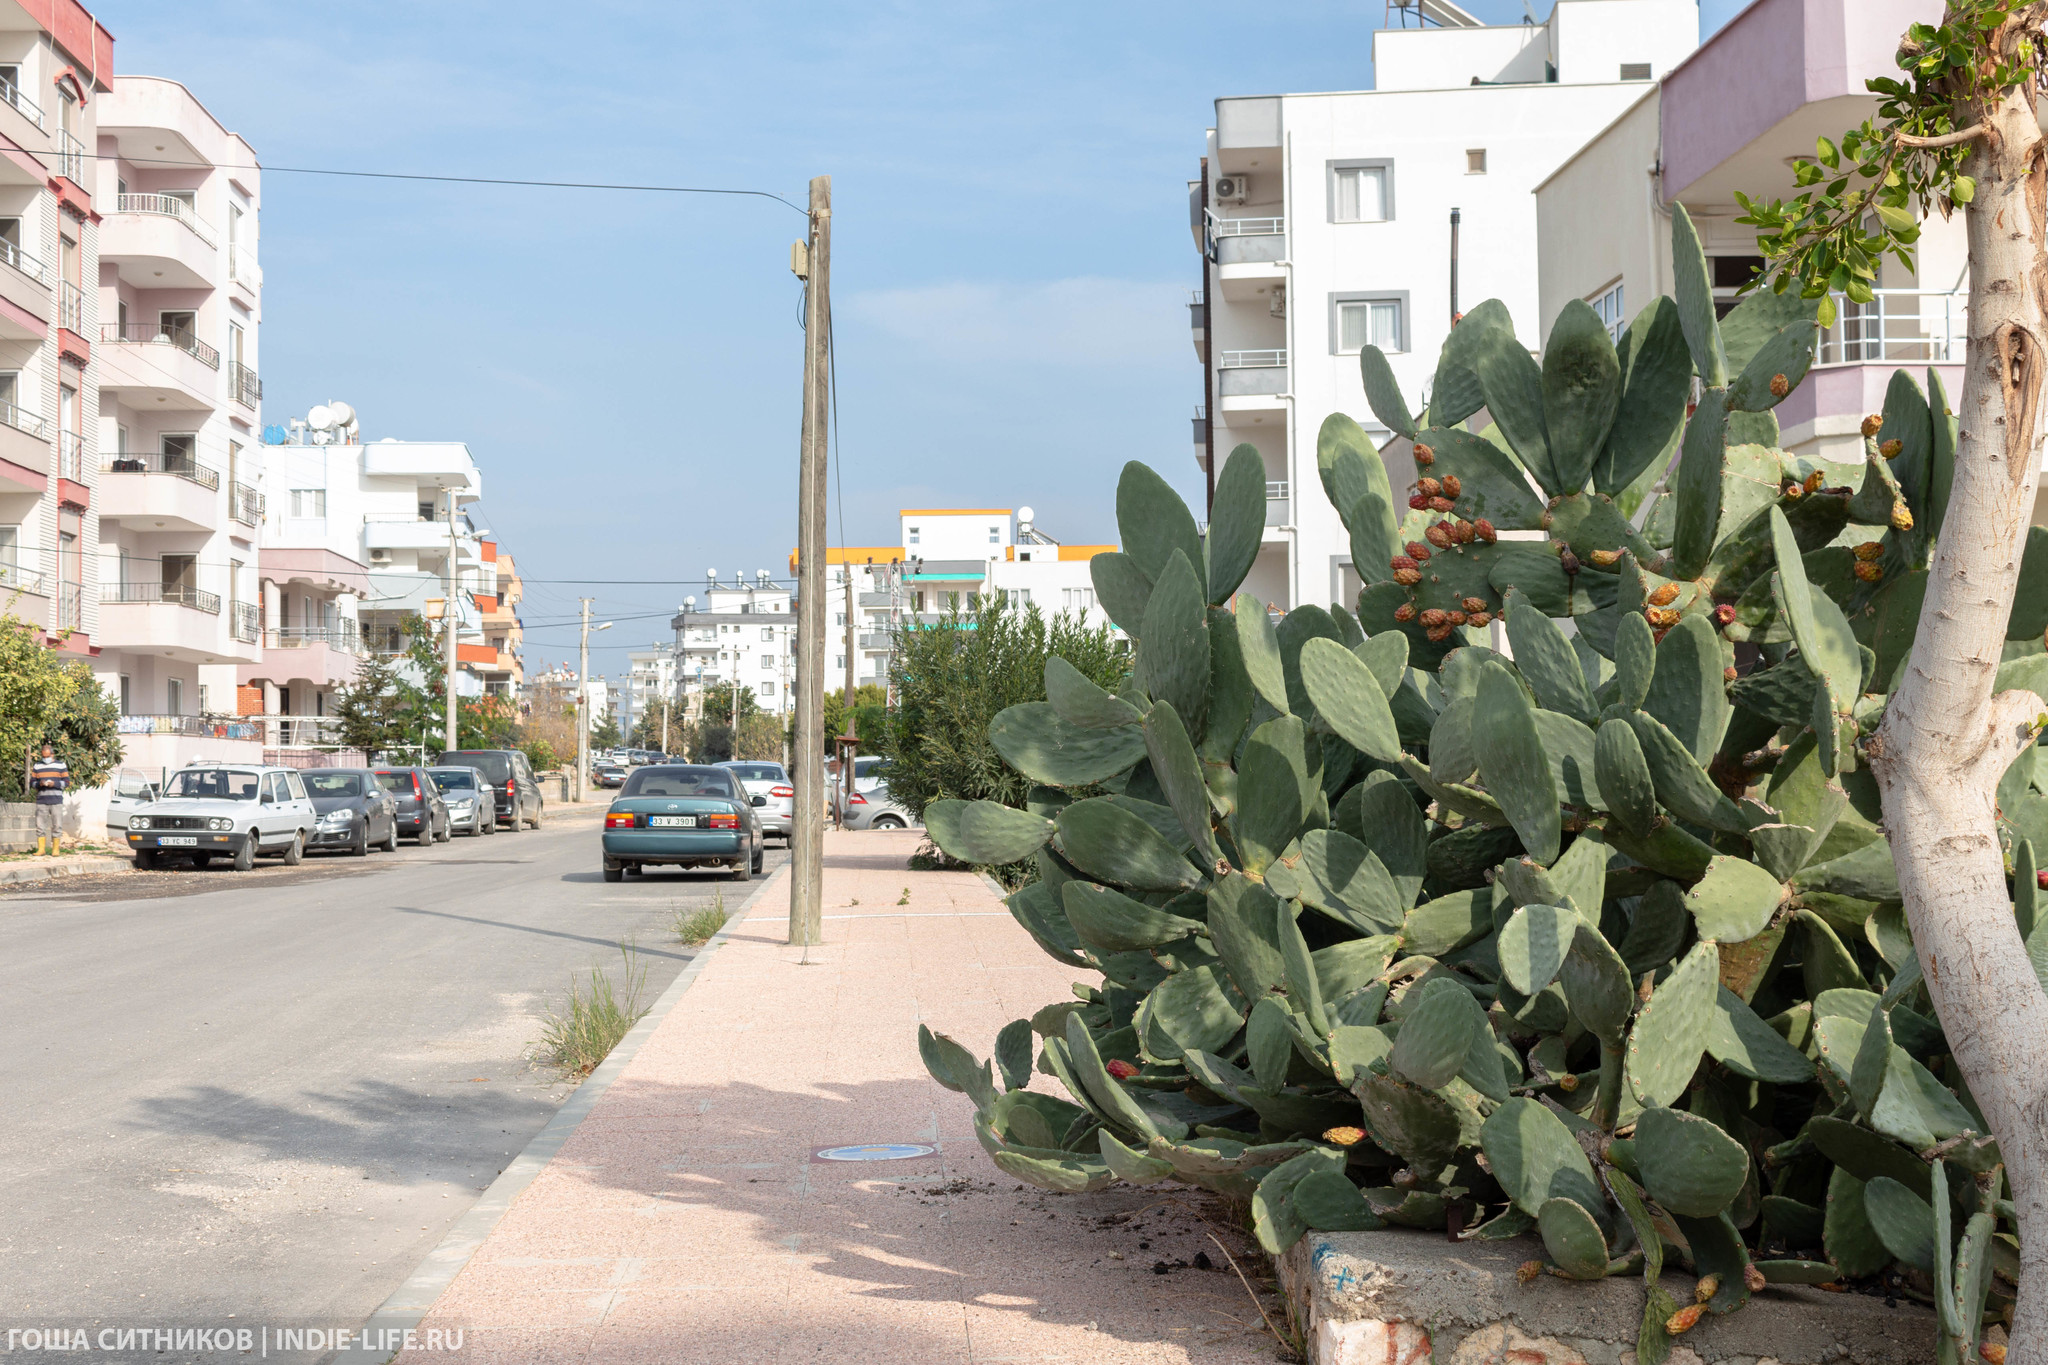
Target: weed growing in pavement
697,926
595,1017
905,899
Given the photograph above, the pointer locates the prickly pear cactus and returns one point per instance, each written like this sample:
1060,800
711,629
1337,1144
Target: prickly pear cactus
1542,893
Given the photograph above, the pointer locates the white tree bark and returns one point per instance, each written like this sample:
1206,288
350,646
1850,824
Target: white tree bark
1946,740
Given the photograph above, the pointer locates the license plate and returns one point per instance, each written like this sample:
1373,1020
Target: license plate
672,822
178,840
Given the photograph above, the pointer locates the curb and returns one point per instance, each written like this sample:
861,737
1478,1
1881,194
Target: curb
410,1303
70,869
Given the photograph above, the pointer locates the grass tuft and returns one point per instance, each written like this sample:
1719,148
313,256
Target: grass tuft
693,927
595,1017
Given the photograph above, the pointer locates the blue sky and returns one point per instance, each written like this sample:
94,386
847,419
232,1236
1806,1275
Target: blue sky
1011,250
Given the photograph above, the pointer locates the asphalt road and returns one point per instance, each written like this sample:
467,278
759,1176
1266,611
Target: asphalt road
269,1094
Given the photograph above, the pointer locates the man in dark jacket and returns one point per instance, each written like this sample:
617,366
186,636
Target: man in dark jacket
49,777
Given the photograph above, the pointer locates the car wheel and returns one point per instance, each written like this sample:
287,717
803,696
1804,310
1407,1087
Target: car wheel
538,812
614,874
743,870
145,860
448,832
518,814
487,824
361,847
245,852
295,851
886,822
760,860
426,835
390,844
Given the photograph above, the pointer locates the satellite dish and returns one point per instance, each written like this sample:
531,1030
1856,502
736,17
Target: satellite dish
1025,516
711,574
343,413
275,435
321,418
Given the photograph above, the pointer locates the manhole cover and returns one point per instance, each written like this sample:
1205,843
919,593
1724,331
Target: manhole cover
874,1151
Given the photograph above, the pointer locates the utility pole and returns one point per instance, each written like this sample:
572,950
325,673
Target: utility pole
454,618
813,263
583,704
1456,219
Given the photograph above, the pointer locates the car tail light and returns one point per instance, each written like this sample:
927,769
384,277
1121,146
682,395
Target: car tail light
622,820
718,821
782,791
416,786
856,800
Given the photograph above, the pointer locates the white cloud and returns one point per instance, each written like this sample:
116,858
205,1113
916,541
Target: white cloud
1088,320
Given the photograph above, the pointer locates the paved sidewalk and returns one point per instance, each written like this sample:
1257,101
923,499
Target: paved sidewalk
686,1219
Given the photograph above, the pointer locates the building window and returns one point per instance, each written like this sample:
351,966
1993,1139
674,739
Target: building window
1362,322
1361,192
1079,601
309,502
1475,161
766,689
838,663
767,632
1635,71
1608,305
910,535
174,696
995,535
768,662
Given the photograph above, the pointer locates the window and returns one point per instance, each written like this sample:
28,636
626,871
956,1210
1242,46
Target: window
1079,601
838,662
309,502
202,699
179,325
767,632
10,387
1635,71
1359,192
1608,305
1475,161
910,535
995,535
174,696
1017,597
1369,322
766,689
768,662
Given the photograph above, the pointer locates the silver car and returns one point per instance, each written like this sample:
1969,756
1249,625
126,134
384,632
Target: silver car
873,808
773,795
228,811
472,805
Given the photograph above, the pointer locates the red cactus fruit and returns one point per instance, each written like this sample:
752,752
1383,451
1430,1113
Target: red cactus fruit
1438,634
1794,492
1479,618
1868,572
1417,503
1344,1137
1429,488
1438,536
1406,611
1452,486
1780,386
1873,424
1681,1322
1730,674
1484,530
1433,616
1605,558
1456,618
1424,456
1441,504
1408,578
1902,517
1813,481
1891,449
1663,618
1404,562
1474,604
1417,550
1119,1068
1724,615
1569,560
1528,1272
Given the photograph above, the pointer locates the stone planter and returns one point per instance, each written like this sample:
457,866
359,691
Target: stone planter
1411,1298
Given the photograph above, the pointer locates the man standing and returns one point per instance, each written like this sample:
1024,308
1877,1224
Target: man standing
50,777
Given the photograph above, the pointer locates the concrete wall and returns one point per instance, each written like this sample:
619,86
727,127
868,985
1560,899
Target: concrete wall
1597,219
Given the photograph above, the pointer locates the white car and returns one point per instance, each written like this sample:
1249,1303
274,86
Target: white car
773,795
223,810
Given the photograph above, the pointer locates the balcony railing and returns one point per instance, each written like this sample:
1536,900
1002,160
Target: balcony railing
245,504
14,578
71,308
159,462
30,422
1279,503
1247,227
1198,310
197,727
70,158
1201,424
70,606
169,206
149,333
1895,326
342,637
246,622
242,267
71,456
281,732
170,594
28,108
1252,360
248,389
10,254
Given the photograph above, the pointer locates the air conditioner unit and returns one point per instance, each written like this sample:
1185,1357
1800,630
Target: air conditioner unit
1231,189
380,556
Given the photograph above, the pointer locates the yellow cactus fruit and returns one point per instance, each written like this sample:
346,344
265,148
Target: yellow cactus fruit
1890,449
1873,424
1902,517
1870,549
1665,595
1706,1289
1681,1322
1344,1137
1868,572
1528,1271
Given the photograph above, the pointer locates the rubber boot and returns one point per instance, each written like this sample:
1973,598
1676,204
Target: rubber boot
42,846
57,847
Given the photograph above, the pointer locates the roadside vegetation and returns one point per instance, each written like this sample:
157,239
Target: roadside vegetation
596,1015
693,927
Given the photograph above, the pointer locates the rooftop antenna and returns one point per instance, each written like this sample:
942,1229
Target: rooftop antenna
1528,13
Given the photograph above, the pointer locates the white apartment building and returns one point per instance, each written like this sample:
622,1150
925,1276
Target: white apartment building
651,677
1325,223
56,69
745,635
178,306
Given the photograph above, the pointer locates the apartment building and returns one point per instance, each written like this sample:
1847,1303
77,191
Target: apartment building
504,672
651,678
56,69
176,312
1731,117
745,635
1330,221
945,557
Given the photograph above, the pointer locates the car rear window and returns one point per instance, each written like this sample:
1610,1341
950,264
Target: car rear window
334,784
680,782
494,764
757,772
395,782
451,781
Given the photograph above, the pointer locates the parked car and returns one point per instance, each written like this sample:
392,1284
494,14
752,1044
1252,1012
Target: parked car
421,811
467,791
354,808
210,811
127,793
608,775
774,798
512,781
876,809
681,815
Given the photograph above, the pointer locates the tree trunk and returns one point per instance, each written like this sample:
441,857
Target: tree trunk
1946,740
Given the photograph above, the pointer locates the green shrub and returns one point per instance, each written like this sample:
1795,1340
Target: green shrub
596,1015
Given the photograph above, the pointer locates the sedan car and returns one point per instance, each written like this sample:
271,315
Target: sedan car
681,816
471,806
421,811
874,808
773,796
608,775
355,810
210,811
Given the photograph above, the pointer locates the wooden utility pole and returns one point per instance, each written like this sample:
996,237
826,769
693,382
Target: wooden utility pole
812,262
583,704
454,623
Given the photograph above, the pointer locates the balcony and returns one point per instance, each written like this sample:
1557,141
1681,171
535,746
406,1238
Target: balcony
1200,424
245,504
1279,503
25,283
192,727
1198,321
68,158
158,242
438,464
244,385
179,621
71,456
168,594
19,106
154,368
1259,372
1855,357
71,309
24,439
243,270
14,578
246,624
173,490
404,533
70,606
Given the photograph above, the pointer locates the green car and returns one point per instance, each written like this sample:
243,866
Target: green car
682,817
